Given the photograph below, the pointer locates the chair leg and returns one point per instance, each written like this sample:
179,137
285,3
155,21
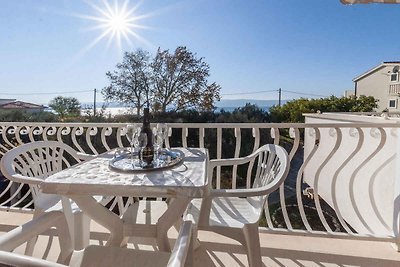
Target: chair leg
252,240
64,237
81,230
30,245
195,242
189,257
124,243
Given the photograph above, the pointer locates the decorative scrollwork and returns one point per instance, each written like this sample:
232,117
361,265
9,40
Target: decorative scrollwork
24,130
272,131
311,132
51,130
122,131
393,132
108,131
292,133
354,132
333,132
37,130
375,132
66,131
78,131
11,130
92,131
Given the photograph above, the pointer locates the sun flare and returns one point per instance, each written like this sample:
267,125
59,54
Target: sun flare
117,23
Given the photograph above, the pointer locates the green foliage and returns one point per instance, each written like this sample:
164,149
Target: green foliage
248,113
65,106
293,110
22,116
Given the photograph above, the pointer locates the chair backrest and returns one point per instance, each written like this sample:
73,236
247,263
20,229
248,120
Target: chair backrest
32,162
272,169
272,166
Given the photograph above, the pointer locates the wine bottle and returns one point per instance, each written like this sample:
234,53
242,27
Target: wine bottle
148,151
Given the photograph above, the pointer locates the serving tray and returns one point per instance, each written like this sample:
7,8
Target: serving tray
122,161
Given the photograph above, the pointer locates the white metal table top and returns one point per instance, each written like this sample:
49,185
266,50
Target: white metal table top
94,177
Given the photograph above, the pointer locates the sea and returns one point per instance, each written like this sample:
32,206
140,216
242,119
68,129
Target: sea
228,105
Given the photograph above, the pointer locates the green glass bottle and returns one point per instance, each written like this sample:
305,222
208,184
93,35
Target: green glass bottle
148,151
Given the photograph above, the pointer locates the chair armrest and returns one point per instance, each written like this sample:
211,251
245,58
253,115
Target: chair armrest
84,156
251,192
13,259
232,161
19,178
21,234
182,246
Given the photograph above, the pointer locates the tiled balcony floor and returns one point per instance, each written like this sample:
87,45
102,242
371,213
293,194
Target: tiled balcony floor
277,250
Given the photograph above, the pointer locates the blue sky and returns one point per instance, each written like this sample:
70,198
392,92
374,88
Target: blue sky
308,46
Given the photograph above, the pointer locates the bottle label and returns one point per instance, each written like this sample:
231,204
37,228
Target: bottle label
148,154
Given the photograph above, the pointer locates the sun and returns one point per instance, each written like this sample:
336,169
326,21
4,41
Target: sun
116,22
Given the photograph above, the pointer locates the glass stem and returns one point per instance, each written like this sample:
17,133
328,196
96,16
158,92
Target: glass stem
132,152
157,155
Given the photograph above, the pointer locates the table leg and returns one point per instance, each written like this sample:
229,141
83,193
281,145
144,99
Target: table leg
174,212
103,216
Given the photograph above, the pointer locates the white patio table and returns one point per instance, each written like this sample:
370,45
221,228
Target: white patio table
181,183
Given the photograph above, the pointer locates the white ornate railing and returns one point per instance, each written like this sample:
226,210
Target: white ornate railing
308,202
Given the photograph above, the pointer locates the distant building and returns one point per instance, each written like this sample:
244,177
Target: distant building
5,101
349,93
383,83
12,104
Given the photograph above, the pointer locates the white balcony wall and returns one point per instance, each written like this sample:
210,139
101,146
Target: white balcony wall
354,171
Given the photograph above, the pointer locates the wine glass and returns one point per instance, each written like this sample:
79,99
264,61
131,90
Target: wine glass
142,143
160,133
162,130
132,131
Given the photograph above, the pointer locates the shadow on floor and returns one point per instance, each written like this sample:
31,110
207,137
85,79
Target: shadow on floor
229,255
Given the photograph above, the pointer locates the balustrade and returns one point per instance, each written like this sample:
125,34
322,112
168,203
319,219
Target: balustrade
322,157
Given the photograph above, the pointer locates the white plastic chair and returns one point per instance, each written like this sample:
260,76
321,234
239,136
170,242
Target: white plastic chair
31,163
24,233
236,212
92,255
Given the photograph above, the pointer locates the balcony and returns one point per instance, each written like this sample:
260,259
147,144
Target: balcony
337,206
394,89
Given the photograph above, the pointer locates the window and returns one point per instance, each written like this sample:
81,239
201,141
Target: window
394,77
392,103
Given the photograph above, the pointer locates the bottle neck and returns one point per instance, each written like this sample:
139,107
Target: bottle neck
146,128
146,119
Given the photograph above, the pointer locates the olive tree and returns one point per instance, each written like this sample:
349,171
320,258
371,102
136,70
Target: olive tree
130,82
65,106
180,81
174,81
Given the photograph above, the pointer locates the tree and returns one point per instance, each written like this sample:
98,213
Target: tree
130,83
293,110
65,106
175,81
180,81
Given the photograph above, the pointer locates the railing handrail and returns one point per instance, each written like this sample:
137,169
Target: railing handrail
350,124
